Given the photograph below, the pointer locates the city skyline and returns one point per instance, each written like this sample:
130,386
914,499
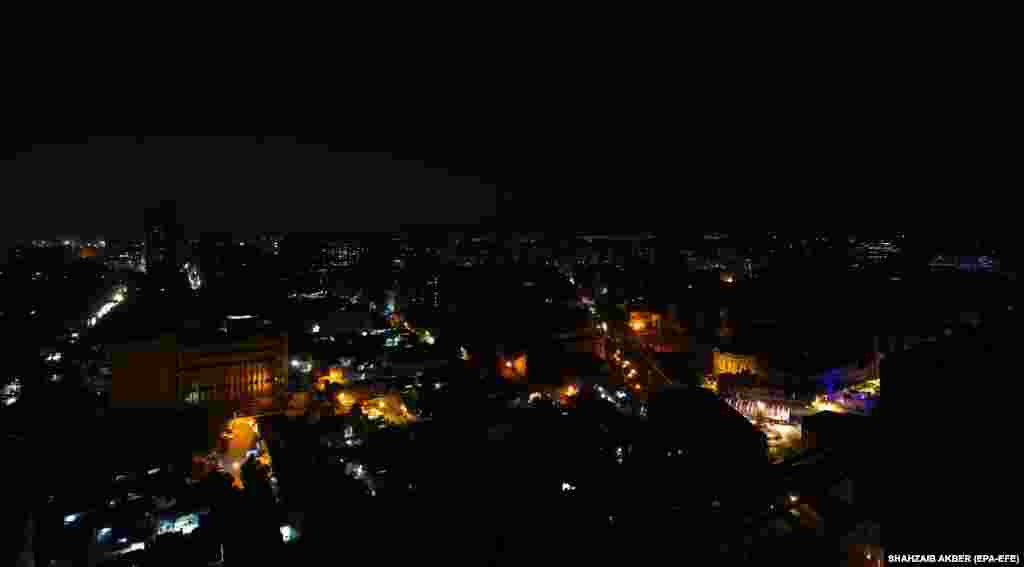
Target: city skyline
228,184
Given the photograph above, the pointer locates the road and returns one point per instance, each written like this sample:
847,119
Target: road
244,440
648,374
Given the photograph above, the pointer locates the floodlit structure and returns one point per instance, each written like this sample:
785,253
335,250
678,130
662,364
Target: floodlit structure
241,374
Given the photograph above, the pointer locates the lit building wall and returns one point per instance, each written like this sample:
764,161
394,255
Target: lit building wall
644,321
244,375
728,363
512,367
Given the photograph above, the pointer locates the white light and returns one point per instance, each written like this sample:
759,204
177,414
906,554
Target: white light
295,363
70,518
316,328
566,487
237,317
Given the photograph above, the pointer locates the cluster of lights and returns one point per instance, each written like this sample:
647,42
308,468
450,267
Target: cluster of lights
12,391
107,307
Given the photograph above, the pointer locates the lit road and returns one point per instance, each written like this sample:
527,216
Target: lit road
648,374
244,439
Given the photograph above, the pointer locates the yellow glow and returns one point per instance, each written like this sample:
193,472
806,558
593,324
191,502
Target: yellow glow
508,364
637,325
571,391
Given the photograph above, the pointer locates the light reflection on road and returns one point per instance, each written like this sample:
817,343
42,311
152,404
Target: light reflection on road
244,440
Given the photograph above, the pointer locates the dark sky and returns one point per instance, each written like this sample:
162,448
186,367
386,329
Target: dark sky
226,184
850,175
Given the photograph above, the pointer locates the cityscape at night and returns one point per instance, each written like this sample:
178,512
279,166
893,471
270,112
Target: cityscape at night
404,364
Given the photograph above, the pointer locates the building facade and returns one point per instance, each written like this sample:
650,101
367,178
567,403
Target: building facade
729,363
246,375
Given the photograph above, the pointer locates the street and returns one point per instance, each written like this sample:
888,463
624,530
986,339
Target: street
244,440
647,375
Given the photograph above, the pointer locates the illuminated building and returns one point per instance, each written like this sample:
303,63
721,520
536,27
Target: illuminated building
224,375
644,321
966,263
87,252
434,291
729,363
129,256
341,253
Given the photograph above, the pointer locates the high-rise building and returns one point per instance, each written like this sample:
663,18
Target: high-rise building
214,254
163,237
342,253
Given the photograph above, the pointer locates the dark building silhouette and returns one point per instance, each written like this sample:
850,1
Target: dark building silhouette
214,255
164,238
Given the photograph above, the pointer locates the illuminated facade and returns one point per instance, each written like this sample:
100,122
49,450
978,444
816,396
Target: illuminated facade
728,363
342,253
244,375
644,322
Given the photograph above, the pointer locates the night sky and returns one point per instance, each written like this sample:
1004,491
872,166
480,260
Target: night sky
226,184
844,178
